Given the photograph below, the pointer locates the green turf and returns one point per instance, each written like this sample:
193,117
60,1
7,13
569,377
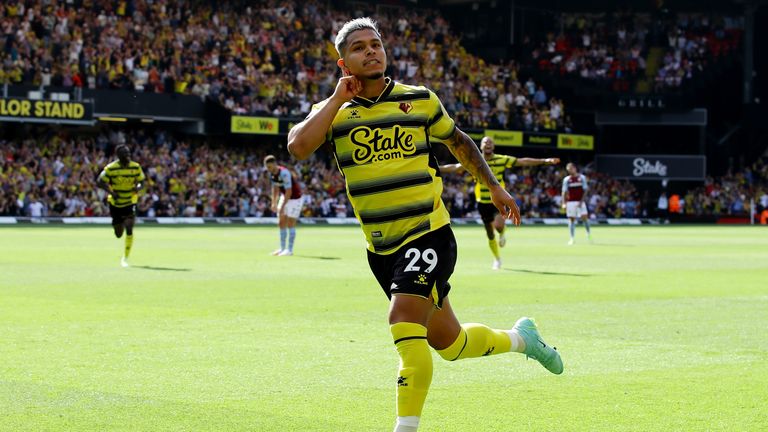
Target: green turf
660,328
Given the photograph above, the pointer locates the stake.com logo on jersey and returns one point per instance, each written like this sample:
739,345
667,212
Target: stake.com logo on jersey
376,145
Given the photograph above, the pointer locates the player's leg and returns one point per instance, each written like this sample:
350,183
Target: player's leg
119,228
571,212
408,317
292,213
283,227
454,341
493,244
585,220
117,220
414,278
290,227
488,214
129,222
498,223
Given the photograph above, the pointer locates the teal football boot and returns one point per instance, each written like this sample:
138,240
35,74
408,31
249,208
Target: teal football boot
535,348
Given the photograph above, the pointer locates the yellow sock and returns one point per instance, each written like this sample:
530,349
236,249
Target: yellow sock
494,247
415,373
477,340
128,244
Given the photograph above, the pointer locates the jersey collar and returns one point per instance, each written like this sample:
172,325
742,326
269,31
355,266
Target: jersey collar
367,103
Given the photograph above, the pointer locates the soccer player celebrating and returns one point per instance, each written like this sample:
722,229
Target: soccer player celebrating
122,179
286,203
492,219
574,194
380,133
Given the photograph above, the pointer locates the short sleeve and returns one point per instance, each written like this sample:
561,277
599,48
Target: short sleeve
584,182
511,161
141,177
317,107
285,176
565,184
103,176
441,125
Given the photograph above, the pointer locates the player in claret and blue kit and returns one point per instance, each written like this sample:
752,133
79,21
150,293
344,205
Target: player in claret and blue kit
574,196
286,203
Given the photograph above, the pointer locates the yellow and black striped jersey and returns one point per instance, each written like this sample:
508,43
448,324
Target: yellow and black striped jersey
123,180
498,164
382,147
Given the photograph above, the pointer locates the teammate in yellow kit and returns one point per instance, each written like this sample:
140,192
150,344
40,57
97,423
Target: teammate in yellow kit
380,132
123,179
492,219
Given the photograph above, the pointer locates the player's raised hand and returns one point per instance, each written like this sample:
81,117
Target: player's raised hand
348,87
506,204
552,161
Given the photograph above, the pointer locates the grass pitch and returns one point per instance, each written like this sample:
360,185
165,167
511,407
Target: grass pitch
660,328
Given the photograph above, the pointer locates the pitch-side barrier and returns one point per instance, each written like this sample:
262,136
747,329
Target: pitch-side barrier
12,220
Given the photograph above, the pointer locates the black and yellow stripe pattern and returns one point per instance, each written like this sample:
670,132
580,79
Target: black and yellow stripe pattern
123,180
498,164
383,149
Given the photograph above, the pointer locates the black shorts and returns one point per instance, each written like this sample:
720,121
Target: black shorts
488,212
120,214
421,267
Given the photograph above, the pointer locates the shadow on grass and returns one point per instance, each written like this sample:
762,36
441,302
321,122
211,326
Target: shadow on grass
547,273
162,268
319,257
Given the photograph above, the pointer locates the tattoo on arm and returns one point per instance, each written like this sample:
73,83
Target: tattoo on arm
466,151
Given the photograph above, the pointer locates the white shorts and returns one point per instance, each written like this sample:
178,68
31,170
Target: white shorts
292,207
575,209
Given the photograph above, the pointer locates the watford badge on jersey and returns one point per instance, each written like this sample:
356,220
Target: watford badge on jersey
406,107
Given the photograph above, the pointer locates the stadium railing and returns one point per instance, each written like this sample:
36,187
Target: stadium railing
12,220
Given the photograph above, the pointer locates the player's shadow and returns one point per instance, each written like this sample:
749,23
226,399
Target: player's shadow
163,268
548,273
319,257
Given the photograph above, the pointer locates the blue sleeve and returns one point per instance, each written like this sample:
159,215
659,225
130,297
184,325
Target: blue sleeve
584,182
285,176
565,185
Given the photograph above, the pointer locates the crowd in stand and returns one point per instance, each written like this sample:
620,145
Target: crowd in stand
693,41
276,58
267,58
614,48
731,194
54,174
596,47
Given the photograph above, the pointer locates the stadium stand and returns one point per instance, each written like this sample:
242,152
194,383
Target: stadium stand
271,60
630,51
201,177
